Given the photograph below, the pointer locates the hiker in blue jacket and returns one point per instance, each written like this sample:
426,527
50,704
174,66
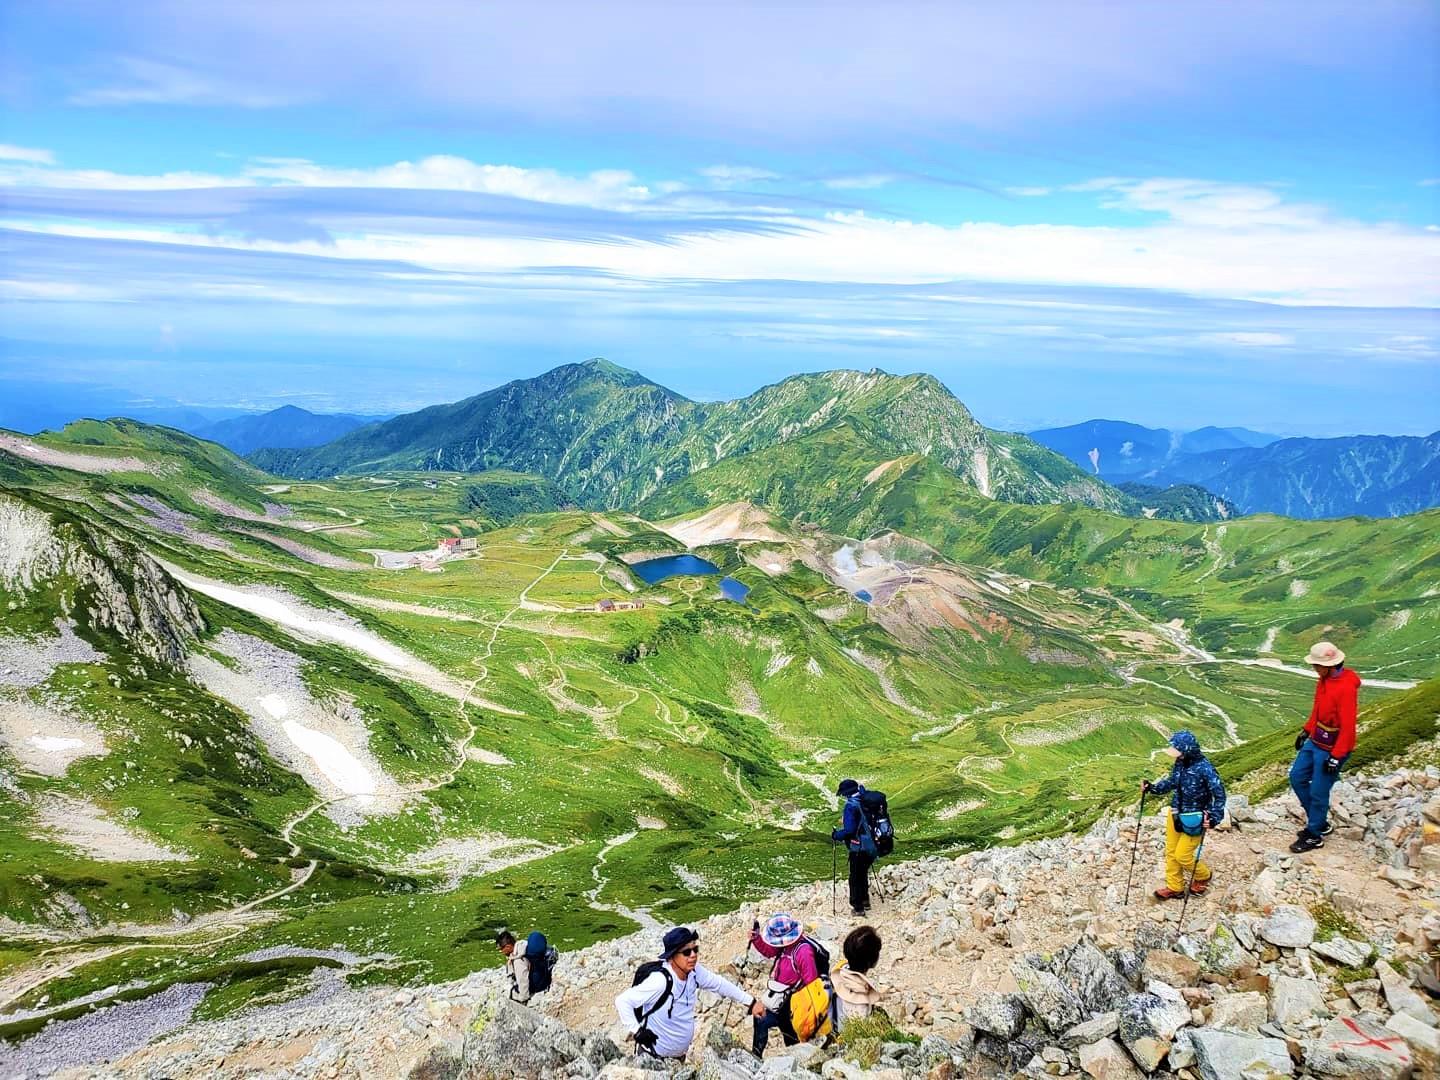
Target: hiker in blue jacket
1197,805
850,832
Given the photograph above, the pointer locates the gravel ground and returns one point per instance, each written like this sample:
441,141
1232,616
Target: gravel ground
104,1035
303,552
28,661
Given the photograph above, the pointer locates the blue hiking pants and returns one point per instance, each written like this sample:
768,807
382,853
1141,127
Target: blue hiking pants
1312,784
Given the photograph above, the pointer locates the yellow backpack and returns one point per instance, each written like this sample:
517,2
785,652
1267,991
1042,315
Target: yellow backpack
812,1009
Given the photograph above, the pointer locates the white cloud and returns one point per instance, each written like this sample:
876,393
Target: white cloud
1206,202
1401,347
1027,192
26,153
731,175
861,182
104,180
1257,339
445,172
147,82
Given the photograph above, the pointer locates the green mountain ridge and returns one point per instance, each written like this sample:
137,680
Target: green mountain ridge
612,438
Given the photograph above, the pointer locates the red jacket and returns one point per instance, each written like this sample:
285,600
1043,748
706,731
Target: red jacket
1332,717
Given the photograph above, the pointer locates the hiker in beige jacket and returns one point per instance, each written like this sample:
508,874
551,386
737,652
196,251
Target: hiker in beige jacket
857,995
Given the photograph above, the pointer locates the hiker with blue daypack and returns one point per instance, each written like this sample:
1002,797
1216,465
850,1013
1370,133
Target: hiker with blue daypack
531,970
1197,805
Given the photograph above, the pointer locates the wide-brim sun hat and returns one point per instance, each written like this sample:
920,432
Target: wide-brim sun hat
782,930
1324,654
675,940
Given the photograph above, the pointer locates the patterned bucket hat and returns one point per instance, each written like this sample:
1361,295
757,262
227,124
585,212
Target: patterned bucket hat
782,930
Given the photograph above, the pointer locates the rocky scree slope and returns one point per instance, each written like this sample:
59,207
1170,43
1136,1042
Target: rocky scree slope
610,437
1018,961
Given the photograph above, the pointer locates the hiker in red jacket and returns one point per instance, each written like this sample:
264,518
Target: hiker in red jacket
1326,742
783,940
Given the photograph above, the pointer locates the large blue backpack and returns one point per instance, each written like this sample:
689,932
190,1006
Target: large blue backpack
876,812
542,957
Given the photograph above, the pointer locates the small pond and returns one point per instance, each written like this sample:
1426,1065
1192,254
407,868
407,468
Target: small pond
654,571
863,596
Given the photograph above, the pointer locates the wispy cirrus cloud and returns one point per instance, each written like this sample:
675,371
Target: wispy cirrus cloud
33,155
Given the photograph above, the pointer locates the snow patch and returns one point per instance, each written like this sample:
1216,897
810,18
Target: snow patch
43,740
814,668
338,765
1299,588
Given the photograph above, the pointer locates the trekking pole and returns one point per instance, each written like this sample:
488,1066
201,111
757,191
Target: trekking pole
1199,848
834,869
1135,848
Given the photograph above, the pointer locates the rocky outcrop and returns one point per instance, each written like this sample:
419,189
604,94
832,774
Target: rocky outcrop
104,584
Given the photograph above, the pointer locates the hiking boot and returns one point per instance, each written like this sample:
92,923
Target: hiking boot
1328,829
1307,842
1197,888
1167,893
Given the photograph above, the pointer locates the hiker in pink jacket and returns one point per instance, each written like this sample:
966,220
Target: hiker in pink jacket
784,940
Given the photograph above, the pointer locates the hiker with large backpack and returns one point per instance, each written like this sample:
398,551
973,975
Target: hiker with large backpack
867,833
658,1010
1196,807
532,970
799,962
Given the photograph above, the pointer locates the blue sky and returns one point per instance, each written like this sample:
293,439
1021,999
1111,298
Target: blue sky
1177,213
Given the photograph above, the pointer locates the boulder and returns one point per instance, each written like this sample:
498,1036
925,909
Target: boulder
1091,976
1048,998
1240,1012
1289,927
528,1042
1170,968
1001,1015
1182,1050
1222,1055
1401,997
1148,1023
1223,952
1356,1046
1107,1060
1294,1000
1342,951
1420,1037
1101,1027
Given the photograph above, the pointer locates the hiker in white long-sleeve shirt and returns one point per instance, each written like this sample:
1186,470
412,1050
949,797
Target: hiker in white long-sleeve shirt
517,966
658,1011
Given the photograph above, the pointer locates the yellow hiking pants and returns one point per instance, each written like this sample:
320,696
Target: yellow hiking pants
1180,857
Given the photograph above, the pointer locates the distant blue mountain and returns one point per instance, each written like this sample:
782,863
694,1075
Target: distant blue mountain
287,427
1373,475
1117,450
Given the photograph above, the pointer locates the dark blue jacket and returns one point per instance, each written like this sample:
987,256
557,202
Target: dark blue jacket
853,821
1194,781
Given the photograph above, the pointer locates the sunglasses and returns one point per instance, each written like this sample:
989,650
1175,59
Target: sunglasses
692,951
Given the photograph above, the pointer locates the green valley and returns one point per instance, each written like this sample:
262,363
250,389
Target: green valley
366,719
